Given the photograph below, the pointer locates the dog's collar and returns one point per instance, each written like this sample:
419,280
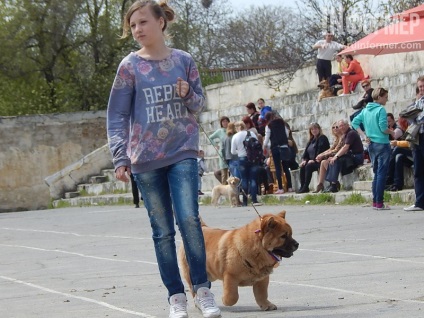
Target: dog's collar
275,257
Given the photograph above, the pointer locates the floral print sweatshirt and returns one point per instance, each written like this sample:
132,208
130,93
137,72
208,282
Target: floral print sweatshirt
148,125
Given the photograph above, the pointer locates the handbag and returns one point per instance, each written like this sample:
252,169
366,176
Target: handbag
411,112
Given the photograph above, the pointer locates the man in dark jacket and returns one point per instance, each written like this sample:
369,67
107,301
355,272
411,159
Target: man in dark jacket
350,156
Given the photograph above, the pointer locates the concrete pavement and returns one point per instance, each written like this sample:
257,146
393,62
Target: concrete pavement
99,262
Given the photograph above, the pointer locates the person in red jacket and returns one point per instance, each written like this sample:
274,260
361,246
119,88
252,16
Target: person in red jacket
353,73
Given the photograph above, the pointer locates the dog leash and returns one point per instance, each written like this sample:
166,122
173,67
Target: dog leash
242,190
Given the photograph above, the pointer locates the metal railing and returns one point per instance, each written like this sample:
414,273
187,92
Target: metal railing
229,74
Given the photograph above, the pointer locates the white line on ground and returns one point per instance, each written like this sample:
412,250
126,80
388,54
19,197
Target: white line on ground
364,255
77,234
100,303
347,292
78,254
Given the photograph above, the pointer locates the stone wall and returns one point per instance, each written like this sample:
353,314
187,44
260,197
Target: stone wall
34,147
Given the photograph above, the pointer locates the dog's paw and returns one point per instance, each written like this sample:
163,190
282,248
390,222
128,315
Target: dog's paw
268,307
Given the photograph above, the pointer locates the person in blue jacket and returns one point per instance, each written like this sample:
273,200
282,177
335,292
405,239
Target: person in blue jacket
374,119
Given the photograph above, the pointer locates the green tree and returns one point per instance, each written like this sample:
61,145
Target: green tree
63,58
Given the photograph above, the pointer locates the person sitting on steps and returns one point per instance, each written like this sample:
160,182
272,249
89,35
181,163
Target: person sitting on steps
318,143
323,157
353,73
350,156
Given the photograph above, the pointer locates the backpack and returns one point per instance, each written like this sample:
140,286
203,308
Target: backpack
254,150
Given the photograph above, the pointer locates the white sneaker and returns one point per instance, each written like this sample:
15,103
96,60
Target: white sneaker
413,208
206,303
178,307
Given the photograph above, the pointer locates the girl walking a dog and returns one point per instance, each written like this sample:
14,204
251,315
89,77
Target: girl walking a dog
153,134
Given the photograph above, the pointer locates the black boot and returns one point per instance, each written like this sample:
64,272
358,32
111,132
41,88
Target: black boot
303,190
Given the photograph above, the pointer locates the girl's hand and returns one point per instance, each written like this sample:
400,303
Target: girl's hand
122,173
182,87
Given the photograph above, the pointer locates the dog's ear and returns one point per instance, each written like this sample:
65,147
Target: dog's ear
271,224
282,214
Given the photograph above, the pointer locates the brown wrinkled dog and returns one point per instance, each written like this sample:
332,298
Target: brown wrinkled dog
326,90
245,256
230,190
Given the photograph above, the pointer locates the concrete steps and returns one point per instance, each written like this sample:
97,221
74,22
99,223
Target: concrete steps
115,192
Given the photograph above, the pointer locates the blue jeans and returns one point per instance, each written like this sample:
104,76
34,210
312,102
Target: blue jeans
398,159
380,158
248,173
168,192
418,154
233,165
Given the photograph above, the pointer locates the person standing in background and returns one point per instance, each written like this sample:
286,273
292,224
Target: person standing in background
253,114
248,170
276,139
418,152
160,147
221,134
232,160
326,50
262,121
374,118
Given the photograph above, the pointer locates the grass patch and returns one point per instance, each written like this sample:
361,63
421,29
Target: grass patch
84,193
354,199
271,200
207,200
393,198
62,204
314,199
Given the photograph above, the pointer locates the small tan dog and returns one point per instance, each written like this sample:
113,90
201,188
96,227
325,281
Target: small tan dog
326,90
231,191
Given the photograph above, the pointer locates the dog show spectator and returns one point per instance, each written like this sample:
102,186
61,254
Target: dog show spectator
276,140
348,158
250,126
262,121
253,114
232,160
318,143
326,50
336,79
323,157
418,151
352,74
374,118
400,157
221,134
248,171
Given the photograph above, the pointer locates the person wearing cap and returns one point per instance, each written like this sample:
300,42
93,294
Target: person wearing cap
326,50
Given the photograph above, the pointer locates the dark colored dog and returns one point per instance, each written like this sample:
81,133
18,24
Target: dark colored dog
326,90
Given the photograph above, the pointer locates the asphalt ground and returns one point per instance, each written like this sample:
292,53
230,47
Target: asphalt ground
99,262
